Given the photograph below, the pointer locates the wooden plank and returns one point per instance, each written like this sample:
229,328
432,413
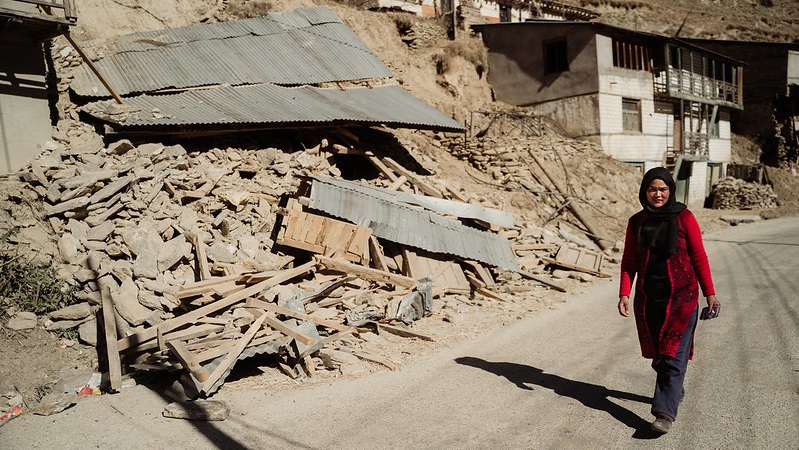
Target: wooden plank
233,355
209,282
267,306
308,364
187,359
375,359
192,316
262,337
445,274
417,180
112,350
402,331
395,185
272,321
581,260
388,173
553,284
365,272
358,246
482,273
202,259
377,256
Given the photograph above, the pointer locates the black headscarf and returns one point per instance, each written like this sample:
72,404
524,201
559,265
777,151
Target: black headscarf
660,229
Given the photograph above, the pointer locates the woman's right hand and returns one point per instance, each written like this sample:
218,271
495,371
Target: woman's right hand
624,303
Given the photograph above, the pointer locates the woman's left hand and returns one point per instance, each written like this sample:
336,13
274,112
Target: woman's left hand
712,301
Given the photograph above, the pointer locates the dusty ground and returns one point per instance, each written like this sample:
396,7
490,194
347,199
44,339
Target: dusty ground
32,361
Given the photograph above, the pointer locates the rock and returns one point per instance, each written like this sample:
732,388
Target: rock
735,220
87,332
197,410
126,302
581,276
100,232
221,252
22,321
171,252
55,325
120,147
334,358
560,274
146,263
72,312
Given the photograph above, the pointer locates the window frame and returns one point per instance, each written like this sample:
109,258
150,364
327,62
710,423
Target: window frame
626,114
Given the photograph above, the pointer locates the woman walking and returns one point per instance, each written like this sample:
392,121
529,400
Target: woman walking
663,247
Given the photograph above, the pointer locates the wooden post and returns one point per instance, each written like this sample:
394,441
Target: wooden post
574,208
110,325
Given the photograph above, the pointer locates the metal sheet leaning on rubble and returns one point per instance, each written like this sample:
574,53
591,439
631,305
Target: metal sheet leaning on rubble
396,221
439,205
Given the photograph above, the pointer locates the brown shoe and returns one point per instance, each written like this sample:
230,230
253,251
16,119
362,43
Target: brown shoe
662,424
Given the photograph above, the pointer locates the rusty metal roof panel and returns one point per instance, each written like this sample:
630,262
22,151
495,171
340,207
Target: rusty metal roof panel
270,106
378,209
289,48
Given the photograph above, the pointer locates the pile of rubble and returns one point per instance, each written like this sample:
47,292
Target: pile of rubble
524,152
734,193
198,259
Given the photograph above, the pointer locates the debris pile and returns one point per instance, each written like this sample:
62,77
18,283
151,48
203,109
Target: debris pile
523,152
198,259
734,193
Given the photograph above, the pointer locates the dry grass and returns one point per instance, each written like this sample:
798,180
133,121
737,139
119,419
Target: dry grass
471,49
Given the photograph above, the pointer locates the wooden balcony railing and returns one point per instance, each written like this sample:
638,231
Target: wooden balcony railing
683,83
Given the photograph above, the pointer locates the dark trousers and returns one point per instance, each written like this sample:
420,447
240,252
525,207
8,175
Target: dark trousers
669,389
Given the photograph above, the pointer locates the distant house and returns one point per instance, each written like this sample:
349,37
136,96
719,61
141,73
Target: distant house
461,14
770,85
646,99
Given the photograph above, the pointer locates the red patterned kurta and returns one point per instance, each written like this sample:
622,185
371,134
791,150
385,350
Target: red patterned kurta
685,267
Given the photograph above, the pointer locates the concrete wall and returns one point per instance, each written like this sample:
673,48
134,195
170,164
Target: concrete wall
578,116
24,108
516,61
720,148
696,185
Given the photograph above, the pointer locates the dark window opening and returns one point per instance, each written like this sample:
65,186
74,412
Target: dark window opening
556,57
628,55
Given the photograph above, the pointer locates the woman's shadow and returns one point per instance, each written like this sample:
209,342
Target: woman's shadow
590,395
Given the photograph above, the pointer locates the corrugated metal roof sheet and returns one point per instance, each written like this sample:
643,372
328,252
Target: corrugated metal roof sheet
288,48
407,224
269,106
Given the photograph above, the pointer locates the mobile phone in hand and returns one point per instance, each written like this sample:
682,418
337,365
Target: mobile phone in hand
709,313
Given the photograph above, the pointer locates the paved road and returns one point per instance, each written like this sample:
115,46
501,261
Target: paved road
568,378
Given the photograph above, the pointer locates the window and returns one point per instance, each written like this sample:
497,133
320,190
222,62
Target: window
631,114
632,56
555,57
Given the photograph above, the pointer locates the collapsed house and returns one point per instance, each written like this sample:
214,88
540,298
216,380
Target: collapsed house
182,252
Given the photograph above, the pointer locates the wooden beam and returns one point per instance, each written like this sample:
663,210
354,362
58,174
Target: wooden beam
233,355
202,259
188,360
112,350
267,306
192,316
542,280
365,272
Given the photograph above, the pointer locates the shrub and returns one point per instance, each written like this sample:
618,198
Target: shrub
30,287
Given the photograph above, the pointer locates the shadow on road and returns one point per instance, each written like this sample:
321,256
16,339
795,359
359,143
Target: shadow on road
591,395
